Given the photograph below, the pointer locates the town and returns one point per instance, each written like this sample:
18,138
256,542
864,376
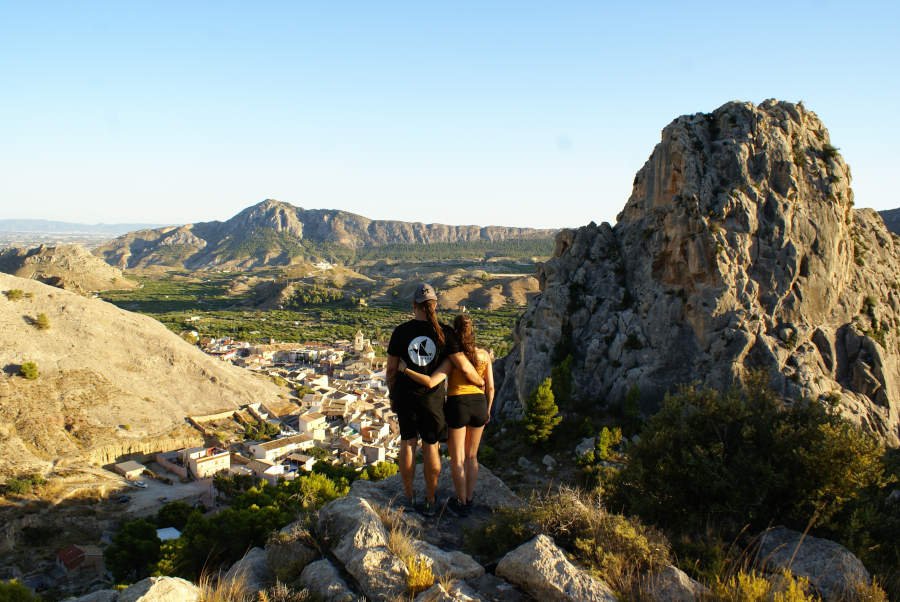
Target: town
340,414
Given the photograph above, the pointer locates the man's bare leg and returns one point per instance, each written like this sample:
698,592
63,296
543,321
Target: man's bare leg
406,462
431,467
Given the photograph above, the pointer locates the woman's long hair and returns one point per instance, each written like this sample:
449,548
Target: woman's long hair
465,332
430,309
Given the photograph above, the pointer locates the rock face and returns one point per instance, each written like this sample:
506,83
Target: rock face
739,249
830,567
70,267
276,233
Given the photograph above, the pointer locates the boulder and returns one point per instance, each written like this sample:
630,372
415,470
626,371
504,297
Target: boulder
671,584
453,563
541,569
253,569
322,579
161,589
357,538
830,567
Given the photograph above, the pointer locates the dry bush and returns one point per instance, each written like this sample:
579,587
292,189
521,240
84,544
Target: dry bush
749,586
618,548
400,542
419,574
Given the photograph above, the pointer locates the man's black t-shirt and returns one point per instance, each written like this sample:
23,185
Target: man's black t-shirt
415,343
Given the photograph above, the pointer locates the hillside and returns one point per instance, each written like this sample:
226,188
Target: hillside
109,380
739,249
274,233
65,266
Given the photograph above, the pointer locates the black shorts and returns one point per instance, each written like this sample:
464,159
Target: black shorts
421,417
466,410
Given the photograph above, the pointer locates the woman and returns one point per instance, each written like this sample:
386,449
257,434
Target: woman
467,410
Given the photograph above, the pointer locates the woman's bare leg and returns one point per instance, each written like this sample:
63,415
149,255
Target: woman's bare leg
456,445
473,440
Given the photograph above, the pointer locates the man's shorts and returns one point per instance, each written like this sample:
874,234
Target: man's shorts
466,410
421,417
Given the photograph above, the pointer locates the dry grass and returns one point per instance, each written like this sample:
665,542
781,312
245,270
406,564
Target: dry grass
216,589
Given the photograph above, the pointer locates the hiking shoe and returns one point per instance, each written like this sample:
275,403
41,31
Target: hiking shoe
457,507
428,509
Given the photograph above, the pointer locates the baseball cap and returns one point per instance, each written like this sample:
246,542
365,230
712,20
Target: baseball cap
425,292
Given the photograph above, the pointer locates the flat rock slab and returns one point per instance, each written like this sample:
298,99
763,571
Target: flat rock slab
541,569
446,529
830,567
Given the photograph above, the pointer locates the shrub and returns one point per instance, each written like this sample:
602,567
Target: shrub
727,460
13,591
752,587
42,322
29,370
15,294
541,413
419,576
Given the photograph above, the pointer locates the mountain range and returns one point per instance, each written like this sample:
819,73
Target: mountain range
277,233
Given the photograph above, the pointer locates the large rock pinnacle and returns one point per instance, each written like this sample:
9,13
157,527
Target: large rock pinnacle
739,249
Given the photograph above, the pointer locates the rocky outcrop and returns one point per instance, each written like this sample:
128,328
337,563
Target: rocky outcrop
70,267
831,568
322,579
739,249
277,233
541,569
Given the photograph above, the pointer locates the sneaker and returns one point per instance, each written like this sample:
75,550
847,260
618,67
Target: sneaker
428,509
457,507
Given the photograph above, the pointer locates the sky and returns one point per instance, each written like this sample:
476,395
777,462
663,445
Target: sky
506,113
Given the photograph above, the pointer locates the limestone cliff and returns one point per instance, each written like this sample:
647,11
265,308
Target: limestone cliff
738,249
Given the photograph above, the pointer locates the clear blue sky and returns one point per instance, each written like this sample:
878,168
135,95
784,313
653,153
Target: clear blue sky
514,113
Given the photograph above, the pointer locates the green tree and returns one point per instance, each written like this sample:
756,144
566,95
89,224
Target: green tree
541,413
134,551
15,294
561,377
42,322
606,440
175,514
29,370
381,470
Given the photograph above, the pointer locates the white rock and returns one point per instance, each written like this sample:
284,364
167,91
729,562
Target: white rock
830,567
359,542
541,569
323,580
585,446
671,584
454,563
253,568
161,589
549,462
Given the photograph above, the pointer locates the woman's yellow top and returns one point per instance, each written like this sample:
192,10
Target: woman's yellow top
458,384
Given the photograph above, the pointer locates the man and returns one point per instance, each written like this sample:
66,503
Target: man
422,343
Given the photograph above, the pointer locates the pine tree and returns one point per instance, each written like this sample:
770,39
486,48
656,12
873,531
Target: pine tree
541,413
